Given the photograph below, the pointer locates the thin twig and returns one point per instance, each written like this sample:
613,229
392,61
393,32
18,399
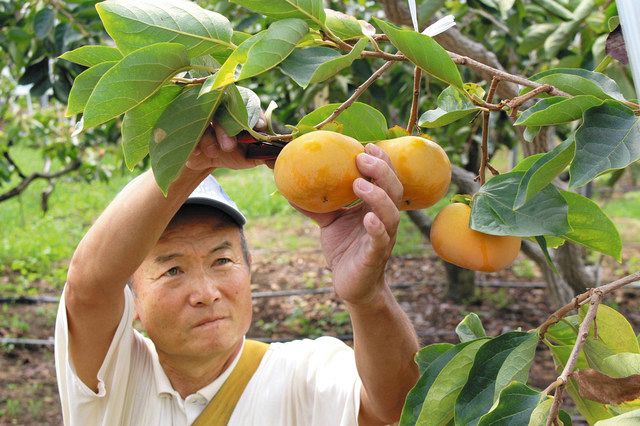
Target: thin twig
484,159
181,80
517,102
18,189
11,161
596,297
346,104
580,299
417,75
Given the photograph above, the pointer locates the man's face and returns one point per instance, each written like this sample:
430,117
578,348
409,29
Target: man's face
192,291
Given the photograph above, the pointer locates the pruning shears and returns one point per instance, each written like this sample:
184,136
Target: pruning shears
259,150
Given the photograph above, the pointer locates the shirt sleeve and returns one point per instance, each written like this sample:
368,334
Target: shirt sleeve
329,381
79,402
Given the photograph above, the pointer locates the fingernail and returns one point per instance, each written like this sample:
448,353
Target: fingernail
374,150
211,150
367,159
363,185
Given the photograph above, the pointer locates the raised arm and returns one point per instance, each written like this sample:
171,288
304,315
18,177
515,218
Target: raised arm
118,242
357,243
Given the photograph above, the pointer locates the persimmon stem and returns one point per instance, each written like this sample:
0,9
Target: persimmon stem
346,104
417,75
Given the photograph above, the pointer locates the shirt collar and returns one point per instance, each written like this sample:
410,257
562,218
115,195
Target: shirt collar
163,384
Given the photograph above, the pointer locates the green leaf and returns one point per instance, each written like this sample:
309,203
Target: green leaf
92,55
136,24
557,110
452,106
440,400
492,370
556,8
423,51
515,406
342,25
43,22
541,412
530,133
178,131
614,331
591,227
428,354
203,61
621,365
132,80
534,36
493,213
577,81
608,139
526,163
138,123
316,64
241,110
415,398
360,121
544,170
312,11
632,418
262,51
470,328
564,332
83,85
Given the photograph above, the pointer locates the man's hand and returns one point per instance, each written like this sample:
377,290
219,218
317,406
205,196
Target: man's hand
358,241
217,149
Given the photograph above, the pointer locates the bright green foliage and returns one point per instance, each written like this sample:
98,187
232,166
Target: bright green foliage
316,64
453,105
631,418
137,24
614,331
83,86
543,171
493,369
241,110
516,403
311,11
92,55
138,123
442,394
261,52
608,139
557,110
177,132
591,227
423,51
575,81
344,26
360,121
470,328
493,209
132,80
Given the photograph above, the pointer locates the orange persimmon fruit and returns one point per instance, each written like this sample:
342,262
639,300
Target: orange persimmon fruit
316,170
454,241
422,167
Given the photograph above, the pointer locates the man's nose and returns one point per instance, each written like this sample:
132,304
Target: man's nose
204,291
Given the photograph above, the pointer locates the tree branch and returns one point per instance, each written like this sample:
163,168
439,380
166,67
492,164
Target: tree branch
417,75
346,104
18,189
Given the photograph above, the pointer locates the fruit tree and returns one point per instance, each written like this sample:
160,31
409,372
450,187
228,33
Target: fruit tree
172,66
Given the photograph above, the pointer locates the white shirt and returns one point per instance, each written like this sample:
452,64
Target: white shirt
303,382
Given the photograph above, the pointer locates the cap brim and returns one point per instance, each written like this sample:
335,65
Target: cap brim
234,214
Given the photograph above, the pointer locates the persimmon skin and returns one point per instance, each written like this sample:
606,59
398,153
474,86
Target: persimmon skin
316,170
422,167
454,241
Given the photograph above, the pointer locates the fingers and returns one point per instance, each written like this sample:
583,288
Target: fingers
225,142
379,202
376,165
377,232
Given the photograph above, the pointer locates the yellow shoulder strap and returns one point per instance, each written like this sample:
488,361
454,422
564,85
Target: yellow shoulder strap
218,411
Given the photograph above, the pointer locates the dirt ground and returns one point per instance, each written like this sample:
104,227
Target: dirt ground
28,393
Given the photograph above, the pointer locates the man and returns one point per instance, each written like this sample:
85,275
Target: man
188,272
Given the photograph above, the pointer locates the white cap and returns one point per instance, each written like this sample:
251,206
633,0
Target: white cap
210,193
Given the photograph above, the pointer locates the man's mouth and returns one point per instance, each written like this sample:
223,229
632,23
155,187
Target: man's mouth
208,321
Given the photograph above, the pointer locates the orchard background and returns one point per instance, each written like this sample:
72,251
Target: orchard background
58,170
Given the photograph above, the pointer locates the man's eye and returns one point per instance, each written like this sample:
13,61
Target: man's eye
223,261
172,272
